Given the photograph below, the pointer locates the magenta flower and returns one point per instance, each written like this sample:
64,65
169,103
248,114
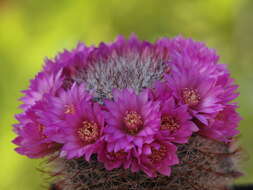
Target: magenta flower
199,92
161,91
197,79
223,126
158,157
113,159
229,88
43,84
32,140
69,61
176,124
186,53
56,109
132,120
82,131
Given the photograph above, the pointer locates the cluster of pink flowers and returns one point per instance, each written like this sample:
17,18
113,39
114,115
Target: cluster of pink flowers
130,103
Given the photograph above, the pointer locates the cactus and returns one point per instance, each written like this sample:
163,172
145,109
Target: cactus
133,115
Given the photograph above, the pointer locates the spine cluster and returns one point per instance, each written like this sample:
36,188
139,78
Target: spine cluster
205,164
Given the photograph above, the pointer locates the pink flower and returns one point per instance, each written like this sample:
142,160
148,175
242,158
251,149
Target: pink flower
32,140
132,120
161,91
43,84
197,79
223,126
198,91
176,124
114,159
198,56
57,108
157,157
69,61
82,131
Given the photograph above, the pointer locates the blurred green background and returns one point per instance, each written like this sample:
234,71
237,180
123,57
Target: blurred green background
33,29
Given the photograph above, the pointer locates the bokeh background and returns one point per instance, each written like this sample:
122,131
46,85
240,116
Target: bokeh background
33,29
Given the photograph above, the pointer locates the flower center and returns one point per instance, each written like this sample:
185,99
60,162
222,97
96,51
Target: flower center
133,122
41,129
69,109
117,155
221,116
169,123
158,155
167,70
89,132
190,96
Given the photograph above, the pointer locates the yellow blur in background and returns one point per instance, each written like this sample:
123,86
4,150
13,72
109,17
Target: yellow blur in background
30,30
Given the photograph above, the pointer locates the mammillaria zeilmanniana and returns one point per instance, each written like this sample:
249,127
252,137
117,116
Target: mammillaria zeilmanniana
133,115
